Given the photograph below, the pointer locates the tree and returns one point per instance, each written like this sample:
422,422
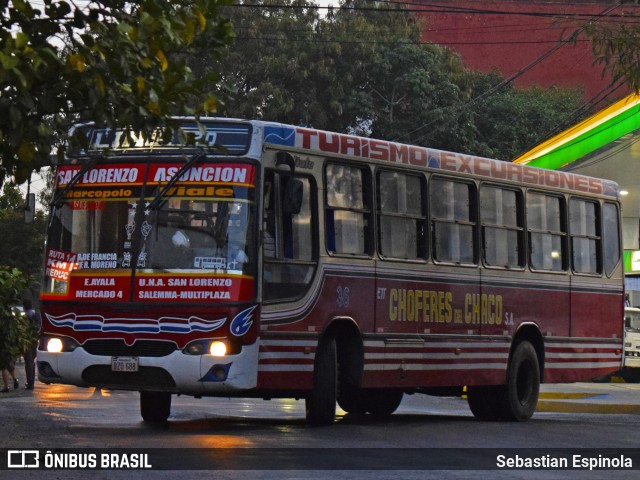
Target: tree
616,46
363,69
515,120
271,71
396,81
412,91
290,65
22,244
115,62
14,330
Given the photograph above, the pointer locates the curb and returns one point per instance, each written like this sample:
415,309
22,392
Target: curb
574,407
590,401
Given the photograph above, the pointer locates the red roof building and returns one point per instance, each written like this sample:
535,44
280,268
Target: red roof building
529,39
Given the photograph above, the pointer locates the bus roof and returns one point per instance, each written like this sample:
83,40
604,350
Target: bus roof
312,141
237,137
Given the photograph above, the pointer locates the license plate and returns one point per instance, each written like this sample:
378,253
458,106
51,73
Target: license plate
124,364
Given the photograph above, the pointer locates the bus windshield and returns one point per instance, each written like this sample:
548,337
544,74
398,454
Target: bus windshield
204,224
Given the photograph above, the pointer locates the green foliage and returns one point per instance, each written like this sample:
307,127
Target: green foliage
413,90
616,47
274,68
113,62
515,120
365,71
291,65
22,244
11,200
15,334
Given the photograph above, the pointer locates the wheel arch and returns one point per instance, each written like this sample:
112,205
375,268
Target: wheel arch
531,333
350,348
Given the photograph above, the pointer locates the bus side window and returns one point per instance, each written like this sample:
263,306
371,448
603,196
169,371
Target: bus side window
502,231
611,237
547,232
401,215
586,243
348,210
453,221
288,236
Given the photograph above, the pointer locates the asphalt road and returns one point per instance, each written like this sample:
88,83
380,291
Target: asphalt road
427,437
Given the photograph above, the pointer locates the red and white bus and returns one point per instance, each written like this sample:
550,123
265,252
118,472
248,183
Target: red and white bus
291,262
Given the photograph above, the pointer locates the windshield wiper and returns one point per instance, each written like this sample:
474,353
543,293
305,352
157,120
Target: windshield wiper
160,196
59,198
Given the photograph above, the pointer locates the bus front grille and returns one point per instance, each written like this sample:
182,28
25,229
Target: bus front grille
141,348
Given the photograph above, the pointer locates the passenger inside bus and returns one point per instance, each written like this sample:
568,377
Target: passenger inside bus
200,235
171,243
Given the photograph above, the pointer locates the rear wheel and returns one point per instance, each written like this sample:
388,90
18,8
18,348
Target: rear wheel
321,402
486,402
515,401
155,406
523,383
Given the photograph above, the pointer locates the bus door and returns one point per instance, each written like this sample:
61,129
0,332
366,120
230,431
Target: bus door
289,236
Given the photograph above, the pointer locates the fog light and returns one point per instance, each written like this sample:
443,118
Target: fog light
218,349
219,373
54,345
46,370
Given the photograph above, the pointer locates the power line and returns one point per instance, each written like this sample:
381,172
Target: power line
578,113
622,118
395,42
429,8
483,96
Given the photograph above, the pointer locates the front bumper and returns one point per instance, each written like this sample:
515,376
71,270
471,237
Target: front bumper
632,361
176,372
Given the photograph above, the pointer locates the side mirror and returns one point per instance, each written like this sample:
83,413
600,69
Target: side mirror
293,195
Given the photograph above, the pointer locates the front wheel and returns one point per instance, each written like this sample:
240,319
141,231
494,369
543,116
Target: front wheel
379,402
321,402
155,406
352,399
383,402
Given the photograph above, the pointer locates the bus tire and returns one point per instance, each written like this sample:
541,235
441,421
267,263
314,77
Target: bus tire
485,402
321,402
351,399
383,402
523,383
155,406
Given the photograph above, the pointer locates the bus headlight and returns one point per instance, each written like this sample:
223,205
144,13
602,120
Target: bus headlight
59,344
218,349
54,345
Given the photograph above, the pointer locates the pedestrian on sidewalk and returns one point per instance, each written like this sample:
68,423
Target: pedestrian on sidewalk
9,351
9,371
